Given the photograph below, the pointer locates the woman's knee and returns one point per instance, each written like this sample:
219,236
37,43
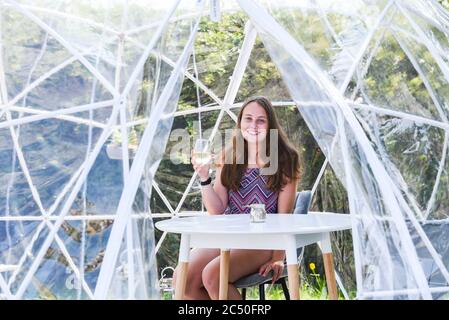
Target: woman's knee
193,282
175,275
211,278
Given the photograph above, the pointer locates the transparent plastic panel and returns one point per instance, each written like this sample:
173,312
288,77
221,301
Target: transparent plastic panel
411,151
428,57
387,253
216,57
134,274
72,86
51,149
161,136
65,73
169,245
436,232
155,137
16,198
194,93
193,201
330,188
163,58
388,189
101,194
175,170
56,278
157,204
14,251
30,245
437,207
392,82
434,30
102,30
261,78
32,54
332,32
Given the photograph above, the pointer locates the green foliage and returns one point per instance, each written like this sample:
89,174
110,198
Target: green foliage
444,3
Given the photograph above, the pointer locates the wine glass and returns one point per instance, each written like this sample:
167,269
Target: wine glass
201,151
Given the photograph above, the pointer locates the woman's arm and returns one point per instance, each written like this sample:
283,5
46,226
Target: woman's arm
215,198
287,197
286,204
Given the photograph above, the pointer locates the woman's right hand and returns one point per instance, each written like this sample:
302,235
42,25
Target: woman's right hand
201,169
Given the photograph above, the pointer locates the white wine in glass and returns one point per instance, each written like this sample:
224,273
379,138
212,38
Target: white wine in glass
201,151
202,157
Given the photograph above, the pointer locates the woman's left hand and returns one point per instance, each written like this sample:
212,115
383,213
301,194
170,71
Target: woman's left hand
276,266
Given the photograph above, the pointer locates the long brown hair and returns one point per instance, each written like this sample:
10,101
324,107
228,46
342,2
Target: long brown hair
288,158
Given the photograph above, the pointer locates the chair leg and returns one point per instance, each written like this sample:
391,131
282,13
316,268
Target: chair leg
284,289
261,291
243,293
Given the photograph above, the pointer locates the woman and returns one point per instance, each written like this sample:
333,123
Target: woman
240,183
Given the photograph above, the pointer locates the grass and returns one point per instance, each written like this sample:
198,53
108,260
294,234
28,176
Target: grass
274,292
313,287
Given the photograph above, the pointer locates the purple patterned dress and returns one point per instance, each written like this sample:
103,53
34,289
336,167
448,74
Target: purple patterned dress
253,189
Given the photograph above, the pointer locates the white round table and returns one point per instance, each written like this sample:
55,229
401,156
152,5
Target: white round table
279,232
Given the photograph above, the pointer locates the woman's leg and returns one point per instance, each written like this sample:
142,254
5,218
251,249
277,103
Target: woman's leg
241,263
199,258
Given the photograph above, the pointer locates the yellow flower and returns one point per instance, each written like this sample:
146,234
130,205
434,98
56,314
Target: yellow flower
312,266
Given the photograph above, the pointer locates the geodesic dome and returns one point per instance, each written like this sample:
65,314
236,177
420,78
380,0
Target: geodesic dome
91,94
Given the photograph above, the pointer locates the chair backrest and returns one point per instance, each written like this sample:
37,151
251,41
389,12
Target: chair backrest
302,203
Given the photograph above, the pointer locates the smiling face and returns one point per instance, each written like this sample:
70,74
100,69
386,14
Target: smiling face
254,123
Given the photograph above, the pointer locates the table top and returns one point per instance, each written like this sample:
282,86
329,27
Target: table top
313,222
